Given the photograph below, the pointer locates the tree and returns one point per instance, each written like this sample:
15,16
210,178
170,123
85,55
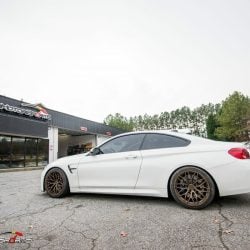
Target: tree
119,121
211,125
233,118
227,121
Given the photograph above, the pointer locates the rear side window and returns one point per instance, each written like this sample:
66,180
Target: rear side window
154,141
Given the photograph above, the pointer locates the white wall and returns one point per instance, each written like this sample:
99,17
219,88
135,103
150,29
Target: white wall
53,143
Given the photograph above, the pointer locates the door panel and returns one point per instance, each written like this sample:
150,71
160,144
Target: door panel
110,170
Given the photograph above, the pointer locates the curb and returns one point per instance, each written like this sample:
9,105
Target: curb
20,169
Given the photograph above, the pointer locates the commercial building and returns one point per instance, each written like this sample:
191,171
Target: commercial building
32,135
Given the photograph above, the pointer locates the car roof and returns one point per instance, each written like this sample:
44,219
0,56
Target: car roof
167,132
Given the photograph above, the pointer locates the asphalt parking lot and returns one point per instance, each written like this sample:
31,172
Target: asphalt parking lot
89,221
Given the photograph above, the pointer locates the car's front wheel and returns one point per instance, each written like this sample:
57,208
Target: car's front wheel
56,183
192,187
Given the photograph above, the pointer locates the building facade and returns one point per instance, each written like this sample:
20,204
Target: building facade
33,136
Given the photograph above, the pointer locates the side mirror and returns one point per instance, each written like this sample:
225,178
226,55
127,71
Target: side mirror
95,151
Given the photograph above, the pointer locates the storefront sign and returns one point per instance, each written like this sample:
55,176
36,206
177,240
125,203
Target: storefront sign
40,114
84,129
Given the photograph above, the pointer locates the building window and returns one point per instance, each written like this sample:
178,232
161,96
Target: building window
42,152
17,152
31,152
5,151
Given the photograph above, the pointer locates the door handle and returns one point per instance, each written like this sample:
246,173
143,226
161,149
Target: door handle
131,157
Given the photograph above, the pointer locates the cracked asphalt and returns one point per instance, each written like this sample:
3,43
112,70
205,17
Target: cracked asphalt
91,221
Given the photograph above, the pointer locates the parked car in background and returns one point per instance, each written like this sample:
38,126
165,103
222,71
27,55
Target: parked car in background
191,169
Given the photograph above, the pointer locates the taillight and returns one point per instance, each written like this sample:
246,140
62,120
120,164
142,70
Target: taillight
239,153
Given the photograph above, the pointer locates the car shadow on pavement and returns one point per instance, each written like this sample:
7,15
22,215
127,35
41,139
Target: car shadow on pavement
122,198
234,201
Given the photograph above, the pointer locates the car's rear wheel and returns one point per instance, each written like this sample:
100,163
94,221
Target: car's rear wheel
56,183
192,187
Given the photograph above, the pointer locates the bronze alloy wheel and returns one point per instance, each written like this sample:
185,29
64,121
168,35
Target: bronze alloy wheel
192,187
56,183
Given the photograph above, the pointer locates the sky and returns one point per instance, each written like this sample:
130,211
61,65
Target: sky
93,58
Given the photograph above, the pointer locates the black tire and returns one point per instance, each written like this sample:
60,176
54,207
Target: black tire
192,187
56,183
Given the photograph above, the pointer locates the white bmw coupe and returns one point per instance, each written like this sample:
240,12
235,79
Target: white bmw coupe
154,163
